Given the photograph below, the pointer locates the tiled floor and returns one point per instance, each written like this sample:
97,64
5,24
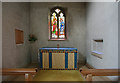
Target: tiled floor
95,78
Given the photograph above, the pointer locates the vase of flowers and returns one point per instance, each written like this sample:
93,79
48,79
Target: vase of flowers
32,38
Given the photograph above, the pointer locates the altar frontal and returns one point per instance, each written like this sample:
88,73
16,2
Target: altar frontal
57,58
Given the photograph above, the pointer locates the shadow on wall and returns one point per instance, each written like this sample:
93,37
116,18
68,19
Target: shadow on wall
81,59
70,25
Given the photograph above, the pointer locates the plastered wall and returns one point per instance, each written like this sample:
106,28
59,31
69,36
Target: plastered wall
119,35
102,22
75,28
0,38
15,16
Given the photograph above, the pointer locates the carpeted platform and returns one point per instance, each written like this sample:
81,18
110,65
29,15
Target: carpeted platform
58,75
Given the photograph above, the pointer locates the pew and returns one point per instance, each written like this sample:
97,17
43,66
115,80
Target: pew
89,73
29,73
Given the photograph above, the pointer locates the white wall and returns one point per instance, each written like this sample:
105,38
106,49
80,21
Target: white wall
0,38
102,22
15,16
119,33
119,36
75,27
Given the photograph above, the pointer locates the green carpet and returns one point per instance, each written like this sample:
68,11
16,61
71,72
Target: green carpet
58,75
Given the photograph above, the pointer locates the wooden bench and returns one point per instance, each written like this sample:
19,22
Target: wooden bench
89,73
29,73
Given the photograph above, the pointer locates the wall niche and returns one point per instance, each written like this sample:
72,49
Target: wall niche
97,48
19,36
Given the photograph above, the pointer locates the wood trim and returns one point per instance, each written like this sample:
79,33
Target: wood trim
91,67
96,55
99,40
20,70
27,72
28,77
100,72
57,39
89,78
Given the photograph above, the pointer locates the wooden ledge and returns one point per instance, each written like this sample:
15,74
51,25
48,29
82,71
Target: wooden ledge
18,71
100,72
96,55
98,40
29,73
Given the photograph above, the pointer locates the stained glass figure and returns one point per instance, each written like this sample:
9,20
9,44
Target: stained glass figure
61,26
54,26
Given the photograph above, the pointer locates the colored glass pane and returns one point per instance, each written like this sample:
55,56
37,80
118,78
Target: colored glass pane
61,26
57,10
57,27
54,26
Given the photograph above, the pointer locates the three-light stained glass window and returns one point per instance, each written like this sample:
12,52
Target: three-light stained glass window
57,24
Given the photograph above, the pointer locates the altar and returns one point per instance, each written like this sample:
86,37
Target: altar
57,58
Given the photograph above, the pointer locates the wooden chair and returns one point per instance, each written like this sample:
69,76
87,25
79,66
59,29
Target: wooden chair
29,73
89,73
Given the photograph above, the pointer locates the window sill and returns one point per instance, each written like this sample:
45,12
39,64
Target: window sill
99,55
57,39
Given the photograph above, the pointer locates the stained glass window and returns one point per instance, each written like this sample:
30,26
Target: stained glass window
61,26
54,26
57,24
57,10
